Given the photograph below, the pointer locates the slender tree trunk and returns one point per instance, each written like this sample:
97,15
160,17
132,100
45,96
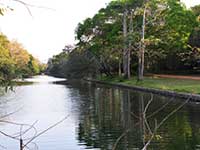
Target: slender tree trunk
21,144
142,49
130,45
125,43
119,67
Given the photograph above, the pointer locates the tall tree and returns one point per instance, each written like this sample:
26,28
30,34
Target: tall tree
6,63
154,32
142,48
126,52
130,7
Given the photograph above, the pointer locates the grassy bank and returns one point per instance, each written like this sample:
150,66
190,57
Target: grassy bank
178,85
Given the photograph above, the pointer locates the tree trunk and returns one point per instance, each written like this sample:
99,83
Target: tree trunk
142,49
125,43
130,45
21,144
119,67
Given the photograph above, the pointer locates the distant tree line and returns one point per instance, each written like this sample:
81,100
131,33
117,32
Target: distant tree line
133,37
16,62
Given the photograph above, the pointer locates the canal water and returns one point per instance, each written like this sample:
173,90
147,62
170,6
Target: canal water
99,117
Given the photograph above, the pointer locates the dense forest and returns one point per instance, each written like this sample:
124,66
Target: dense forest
133,37
16,62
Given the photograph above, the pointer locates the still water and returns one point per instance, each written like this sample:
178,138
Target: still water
97,117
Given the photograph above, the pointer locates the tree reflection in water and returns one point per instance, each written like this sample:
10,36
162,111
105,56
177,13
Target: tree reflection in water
109,113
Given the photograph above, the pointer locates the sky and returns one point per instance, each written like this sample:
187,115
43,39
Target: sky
49,29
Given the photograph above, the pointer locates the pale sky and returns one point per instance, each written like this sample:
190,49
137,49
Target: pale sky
48,31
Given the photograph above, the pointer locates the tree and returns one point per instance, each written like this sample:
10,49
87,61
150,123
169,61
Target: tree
167,28
102,35
129,34
179,23
6,63
194,39
55,65
21,58
126,51
149,12
129,8
142,48
33,65
196,11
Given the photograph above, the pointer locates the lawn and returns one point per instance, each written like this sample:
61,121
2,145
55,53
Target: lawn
179,85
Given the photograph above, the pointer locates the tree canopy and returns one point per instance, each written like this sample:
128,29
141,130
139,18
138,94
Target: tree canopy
15,61
166,31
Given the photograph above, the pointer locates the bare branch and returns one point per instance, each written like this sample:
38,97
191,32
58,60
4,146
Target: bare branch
39,134
27,130
134,115
144,113
27,6
174,111
7,135
9,114
119,138
159,109
31,127
163,121
148,104
36,6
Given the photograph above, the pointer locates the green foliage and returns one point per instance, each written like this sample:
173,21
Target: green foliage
55,64
169,25
102,34
6,62
169,29
15,62
33,66
196,10
73,65
79,66
194,39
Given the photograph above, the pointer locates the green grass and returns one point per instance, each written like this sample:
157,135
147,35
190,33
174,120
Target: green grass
178,85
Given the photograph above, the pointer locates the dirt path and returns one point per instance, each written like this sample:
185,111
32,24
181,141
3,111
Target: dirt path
177,76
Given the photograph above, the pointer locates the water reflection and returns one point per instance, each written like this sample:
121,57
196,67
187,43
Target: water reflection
116,113
43,79
100,117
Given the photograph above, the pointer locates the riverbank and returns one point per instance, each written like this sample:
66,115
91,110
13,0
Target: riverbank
164,86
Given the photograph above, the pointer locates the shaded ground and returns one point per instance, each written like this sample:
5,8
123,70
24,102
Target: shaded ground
177,76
